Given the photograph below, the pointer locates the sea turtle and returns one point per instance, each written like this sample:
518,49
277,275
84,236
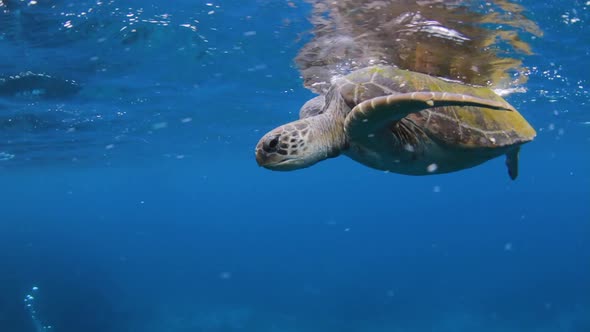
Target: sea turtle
399,121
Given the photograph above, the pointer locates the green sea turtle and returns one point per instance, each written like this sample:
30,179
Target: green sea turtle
399,121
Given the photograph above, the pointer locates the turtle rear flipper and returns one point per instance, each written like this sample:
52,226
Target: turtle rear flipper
512,163
372,115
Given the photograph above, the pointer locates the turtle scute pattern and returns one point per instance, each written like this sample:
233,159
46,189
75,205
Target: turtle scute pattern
466,126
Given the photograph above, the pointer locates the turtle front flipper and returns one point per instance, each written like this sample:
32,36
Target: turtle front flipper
377,113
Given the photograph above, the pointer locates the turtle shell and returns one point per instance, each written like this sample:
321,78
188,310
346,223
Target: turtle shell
458,126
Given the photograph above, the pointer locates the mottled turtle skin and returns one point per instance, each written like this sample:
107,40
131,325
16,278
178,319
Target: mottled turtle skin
402,122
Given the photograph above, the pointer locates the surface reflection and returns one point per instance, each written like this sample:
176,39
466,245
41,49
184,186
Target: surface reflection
470,41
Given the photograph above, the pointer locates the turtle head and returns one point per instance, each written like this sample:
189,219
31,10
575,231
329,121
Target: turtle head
299,144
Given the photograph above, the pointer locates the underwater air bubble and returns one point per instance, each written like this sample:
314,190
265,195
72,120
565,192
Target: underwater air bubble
5,156
432,168
30,307
160,125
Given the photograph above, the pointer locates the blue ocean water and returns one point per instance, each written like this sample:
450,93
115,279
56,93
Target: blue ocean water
131,201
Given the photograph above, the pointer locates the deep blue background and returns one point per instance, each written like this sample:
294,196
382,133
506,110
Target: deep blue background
136,204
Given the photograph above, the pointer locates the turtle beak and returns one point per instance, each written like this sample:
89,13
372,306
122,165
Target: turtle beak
274,161
268,160
267,150
261,158
264,158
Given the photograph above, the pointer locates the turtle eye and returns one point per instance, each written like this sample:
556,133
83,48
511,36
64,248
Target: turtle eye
271,145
